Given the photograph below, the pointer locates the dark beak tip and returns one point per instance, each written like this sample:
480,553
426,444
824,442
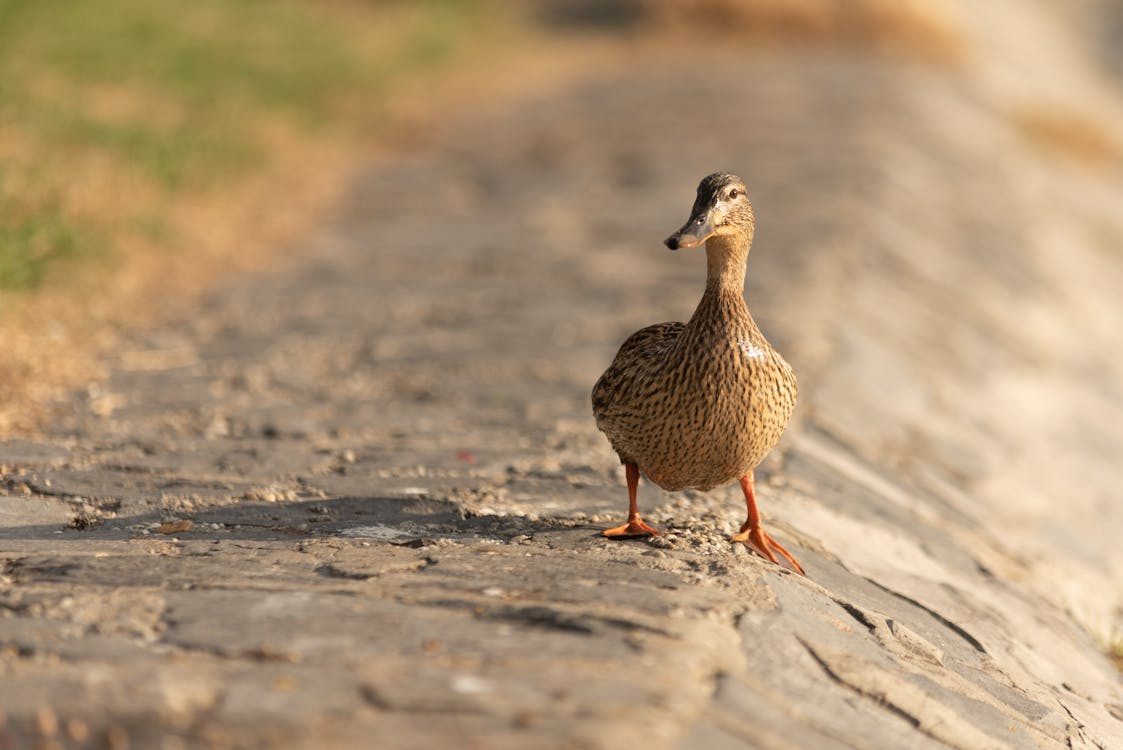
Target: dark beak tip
671,242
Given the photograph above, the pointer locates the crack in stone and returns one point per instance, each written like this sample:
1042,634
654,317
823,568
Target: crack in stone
957,629
1079,726
330,571
585,623
262,653
904,697
879,700
858,615
25,569
376,699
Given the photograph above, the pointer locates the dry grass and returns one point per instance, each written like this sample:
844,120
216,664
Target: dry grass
927,30
135,176
1070,135
1115,652
57,334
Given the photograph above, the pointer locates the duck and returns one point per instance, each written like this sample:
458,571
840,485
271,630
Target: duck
699,405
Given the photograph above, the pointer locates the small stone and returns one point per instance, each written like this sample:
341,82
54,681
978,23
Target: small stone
46,722
467,684
524,719
174,527
284,684
78,730
219,427
116,738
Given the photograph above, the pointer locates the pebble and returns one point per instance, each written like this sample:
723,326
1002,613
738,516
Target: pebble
46,722
467,684
78,730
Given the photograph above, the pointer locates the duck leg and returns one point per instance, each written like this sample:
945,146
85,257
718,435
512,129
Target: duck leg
635,525
753,533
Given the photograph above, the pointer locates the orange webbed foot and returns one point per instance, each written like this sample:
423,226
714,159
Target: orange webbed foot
635,527
759,540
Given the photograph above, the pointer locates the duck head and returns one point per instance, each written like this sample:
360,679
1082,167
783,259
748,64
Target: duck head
721,209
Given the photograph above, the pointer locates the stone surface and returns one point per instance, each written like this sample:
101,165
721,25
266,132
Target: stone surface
395,487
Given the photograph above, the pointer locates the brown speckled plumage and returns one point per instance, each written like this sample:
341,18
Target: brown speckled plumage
700,405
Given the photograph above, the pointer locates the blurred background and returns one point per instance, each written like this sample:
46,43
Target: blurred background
149,149
118,117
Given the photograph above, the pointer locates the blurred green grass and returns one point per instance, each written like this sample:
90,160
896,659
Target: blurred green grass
1115,650
175,97
29,243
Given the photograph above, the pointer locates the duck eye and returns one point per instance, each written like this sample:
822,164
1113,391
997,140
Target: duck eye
733,193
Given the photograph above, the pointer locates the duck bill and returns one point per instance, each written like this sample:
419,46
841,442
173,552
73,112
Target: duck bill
696,231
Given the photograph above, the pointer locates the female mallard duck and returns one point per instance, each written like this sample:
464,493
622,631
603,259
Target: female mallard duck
700,405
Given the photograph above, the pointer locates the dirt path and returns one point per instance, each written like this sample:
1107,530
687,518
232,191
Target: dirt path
394,484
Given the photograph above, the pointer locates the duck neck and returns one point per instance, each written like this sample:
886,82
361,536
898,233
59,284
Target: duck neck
722,312
725,266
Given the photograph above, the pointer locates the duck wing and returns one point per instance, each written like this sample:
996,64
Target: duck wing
628,382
